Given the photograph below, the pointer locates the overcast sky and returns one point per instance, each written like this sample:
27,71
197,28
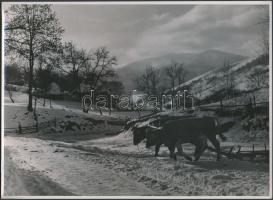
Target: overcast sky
133,32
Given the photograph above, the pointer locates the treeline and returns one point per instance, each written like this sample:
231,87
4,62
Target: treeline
34,34
74,70
161,81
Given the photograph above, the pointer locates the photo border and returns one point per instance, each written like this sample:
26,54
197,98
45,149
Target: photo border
139,3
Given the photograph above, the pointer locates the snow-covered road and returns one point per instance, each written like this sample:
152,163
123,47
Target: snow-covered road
62,166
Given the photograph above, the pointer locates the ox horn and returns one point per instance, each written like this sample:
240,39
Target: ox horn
154,127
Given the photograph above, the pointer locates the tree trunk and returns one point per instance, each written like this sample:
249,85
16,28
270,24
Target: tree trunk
161,103
172,94
35,104
30,81
10,96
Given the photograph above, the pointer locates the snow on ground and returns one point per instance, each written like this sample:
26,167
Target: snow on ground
207,84
211,73
73,106
96,172
70,126
86,162
66,167
261,96
25,182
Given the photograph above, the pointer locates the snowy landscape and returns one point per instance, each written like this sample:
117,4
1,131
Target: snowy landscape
54,146
37,164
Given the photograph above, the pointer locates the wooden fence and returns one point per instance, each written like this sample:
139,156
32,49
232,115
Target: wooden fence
32,129
53,123
250,109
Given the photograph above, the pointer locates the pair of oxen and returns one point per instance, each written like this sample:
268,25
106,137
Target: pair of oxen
175,132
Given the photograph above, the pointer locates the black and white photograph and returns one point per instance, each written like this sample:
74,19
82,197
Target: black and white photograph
136,99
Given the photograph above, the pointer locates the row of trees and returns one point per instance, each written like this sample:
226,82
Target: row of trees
78,66
34,33
151,82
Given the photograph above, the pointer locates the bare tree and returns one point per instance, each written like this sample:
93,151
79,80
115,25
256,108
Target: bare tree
199,89
103,63
181,73
98,66
176,73
74,60
30,31
228,80
258,78
153,74
43,74
171,72
148,82
142,82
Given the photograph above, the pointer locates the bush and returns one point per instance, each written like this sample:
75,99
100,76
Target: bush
257,123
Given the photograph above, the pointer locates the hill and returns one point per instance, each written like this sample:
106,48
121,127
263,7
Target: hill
195,63
249,76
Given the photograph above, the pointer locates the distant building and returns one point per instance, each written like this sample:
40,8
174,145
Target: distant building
138,98
136,95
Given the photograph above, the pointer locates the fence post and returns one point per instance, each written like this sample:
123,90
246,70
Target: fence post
239,149
100,111
55,122
176,102
37,128
253,152
35,104
254,102
35,116
50,103
20,128
230,152
250,110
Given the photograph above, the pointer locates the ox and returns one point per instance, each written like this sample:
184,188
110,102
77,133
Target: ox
188,130
139,134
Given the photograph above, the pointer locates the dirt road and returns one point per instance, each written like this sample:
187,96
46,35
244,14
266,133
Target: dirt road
34,167
28,182
42,167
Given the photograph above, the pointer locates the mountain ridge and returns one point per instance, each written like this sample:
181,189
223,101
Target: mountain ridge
195,63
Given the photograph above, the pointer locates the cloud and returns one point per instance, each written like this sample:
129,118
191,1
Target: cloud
133,32
225,27
116,27
159,17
